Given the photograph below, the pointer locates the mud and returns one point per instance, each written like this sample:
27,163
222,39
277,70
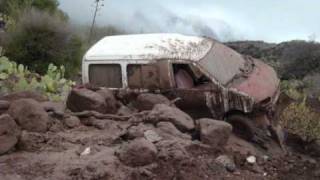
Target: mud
154,144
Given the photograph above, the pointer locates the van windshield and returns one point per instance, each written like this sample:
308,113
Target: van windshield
223,63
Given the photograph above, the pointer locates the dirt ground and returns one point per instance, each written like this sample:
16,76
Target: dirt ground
100,148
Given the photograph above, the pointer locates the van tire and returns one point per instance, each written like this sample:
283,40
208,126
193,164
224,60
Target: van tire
242,126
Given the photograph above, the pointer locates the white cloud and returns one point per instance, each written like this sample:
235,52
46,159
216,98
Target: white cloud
272,20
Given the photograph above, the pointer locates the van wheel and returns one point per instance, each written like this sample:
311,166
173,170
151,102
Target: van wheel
242,126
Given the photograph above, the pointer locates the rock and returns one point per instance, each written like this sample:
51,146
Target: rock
110,100
313,148
138,131
24,95
58,107
251,159
30,115
181,120
9,133
4,105
31,141
213,132
139,152
84,99
226,162
152,136
169,131
147,101
172,150
72,121
124,111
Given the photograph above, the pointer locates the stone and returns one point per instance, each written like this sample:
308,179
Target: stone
86,100
139,152
163,112
147,101
213,132
152,136
110,100
4,105
31,141
72,122
226,162
24,95
169,131
29,115
251,159
124,111
9,133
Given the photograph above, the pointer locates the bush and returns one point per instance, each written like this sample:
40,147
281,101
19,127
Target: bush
40,39
299,119
14,78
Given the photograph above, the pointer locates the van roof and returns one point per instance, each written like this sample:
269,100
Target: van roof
150,47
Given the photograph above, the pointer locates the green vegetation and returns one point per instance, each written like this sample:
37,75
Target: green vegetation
16,77
300,119
38,34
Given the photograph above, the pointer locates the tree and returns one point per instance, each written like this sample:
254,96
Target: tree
40,39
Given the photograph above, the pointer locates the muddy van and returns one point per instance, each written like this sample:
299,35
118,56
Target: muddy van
206,75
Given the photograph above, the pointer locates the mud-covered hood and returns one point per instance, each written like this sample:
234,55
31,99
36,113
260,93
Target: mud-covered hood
261,83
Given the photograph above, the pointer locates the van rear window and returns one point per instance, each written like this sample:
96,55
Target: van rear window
143,76
105,75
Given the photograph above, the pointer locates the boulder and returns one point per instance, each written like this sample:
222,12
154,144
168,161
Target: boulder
72,121
29,115
84,99
139,152
9,133
169,131
163,112
31,141
4,106
110,100
24,95
213,132
226,162
147,101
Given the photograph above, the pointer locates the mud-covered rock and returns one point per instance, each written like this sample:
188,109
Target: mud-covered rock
9,133
147,101
31,141
72,121
30,115
139,152
84,99
24,95
110,100
226,162
138,131
163,112
172,149
169,131
213,132
4,106
124,111
58,107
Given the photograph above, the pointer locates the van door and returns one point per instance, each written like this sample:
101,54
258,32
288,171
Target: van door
199,96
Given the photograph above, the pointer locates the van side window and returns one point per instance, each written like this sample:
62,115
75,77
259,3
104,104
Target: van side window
105,75
143,76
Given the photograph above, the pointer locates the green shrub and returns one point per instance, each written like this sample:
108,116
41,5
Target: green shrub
40,39
14,78
299,119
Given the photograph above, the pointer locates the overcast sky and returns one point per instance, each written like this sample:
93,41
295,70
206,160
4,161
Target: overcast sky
268,20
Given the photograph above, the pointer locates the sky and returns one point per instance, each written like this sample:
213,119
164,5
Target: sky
267,20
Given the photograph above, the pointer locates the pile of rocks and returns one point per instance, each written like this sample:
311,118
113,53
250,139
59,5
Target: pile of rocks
154,129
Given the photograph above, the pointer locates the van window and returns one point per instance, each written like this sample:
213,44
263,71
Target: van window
143,76
105,75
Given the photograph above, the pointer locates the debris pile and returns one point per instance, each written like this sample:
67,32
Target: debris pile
96,135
